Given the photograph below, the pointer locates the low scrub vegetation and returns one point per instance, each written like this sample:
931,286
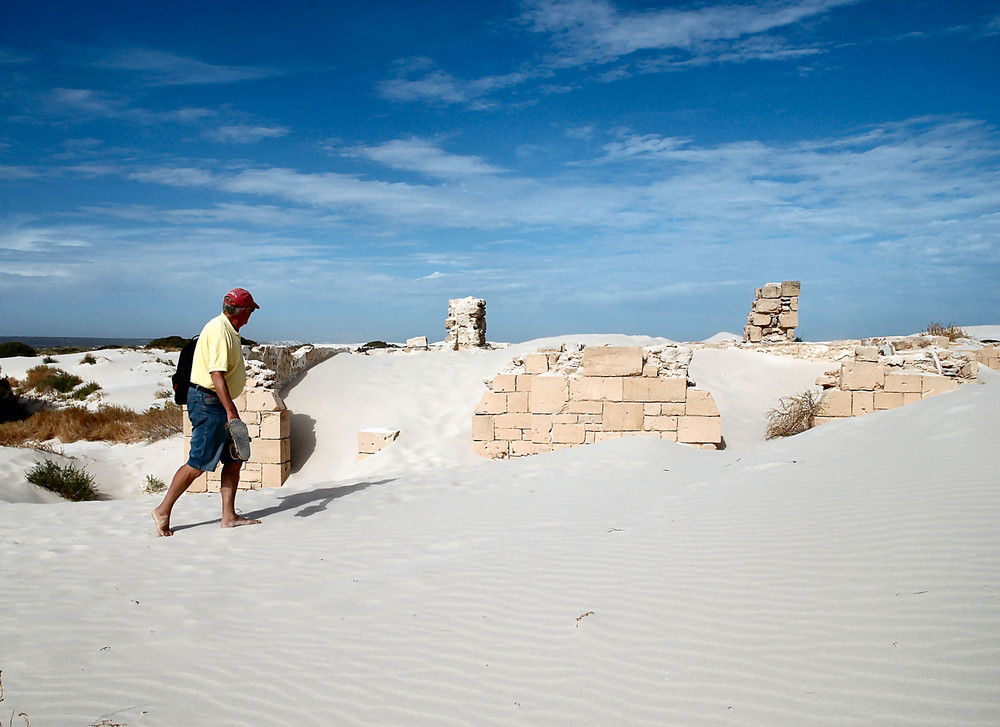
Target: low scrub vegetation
10,349
154,485
952,331
794,415
65,480
110,423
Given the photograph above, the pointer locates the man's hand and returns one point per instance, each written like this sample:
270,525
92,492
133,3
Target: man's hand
222,391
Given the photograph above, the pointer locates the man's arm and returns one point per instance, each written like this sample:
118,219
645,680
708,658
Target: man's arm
222,390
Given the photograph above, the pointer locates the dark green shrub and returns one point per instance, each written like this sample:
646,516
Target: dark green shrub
86,390
66,481
88,359
168,343
9,349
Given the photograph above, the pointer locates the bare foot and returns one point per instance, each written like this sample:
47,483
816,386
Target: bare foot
239,520
162,524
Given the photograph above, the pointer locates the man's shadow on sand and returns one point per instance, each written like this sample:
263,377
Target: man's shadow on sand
307,503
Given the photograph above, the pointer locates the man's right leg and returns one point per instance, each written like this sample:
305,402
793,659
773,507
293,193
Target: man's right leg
178,486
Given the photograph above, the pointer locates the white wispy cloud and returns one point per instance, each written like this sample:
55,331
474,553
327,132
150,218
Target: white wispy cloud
245,133
594,31
439,87
90,104
157,67
418,155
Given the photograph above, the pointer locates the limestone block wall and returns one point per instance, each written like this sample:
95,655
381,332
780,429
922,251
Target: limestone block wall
268,422
466,324
870,381
988,356
374,440
559,398
277,366
774,315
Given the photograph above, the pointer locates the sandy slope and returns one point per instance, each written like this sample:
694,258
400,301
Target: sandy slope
846,576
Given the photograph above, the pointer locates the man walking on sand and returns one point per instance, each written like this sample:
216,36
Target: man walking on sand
218,375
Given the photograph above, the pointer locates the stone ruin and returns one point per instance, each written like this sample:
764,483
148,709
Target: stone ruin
891,374
559,398
466,324
775,313
269,369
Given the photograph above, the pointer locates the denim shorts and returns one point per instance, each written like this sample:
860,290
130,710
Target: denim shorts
208,431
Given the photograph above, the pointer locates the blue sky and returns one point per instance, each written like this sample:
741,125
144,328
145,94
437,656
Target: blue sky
584,165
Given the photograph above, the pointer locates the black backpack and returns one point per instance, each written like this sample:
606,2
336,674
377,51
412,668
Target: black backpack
182,377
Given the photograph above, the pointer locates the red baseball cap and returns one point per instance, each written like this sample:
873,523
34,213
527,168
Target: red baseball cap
240,298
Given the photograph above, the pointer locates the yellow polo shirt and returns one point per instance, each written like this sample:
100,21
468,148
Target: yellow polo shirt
219,349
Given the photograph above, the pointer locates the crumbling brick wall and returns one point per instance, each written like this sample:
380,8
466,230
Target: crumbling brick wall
565,397
774,315
878,378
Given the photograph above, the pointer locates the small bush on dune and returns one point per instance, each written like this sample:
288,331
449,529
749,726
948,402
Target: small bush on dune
46,379
88,359
86,390
794,415
65,480
154,485
951,331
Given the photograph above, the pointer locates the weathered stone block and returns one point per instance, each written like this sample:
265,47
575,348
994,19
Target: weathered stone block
549,395
513,421
651,370
568,434
836,403
274,475
536,363
771,290
903,383
862,402
271,451
492,403
596,388
509,435
862,376
483,427
520,449
576,406
650,390
263,400
761,320
612,361
622,417
699,429
701,403
517,402
767,305
887,400
419,342
275,424
491,450
660,424
790,288
788,319
753,334
866,353
932,385
523,382
504,383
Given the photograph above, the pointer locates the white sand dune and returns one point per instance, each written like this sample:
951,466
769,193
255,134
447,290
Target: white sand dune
845,576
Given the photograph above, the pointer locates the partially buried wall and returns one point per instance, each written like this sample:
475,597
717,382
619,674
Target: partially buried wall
774,315
268,422
559,398
876,378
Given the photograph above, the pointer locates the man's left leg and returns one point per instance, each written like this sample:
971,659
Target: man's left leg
230,481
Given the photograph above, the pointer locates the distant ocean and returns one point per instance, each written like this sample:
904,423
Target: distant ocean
74,341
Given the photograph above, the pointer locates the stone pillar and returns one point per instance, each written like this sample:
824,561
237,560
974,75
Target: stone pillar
466,323
270,463
775,313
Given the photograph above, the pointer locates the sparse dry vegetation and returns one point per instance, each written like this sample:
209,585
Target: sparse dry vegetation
952,331
794,415
110,423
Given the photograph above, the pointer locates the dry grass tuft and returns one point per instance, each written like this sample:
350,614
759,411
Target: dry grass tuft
794,415
951,331
110,423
